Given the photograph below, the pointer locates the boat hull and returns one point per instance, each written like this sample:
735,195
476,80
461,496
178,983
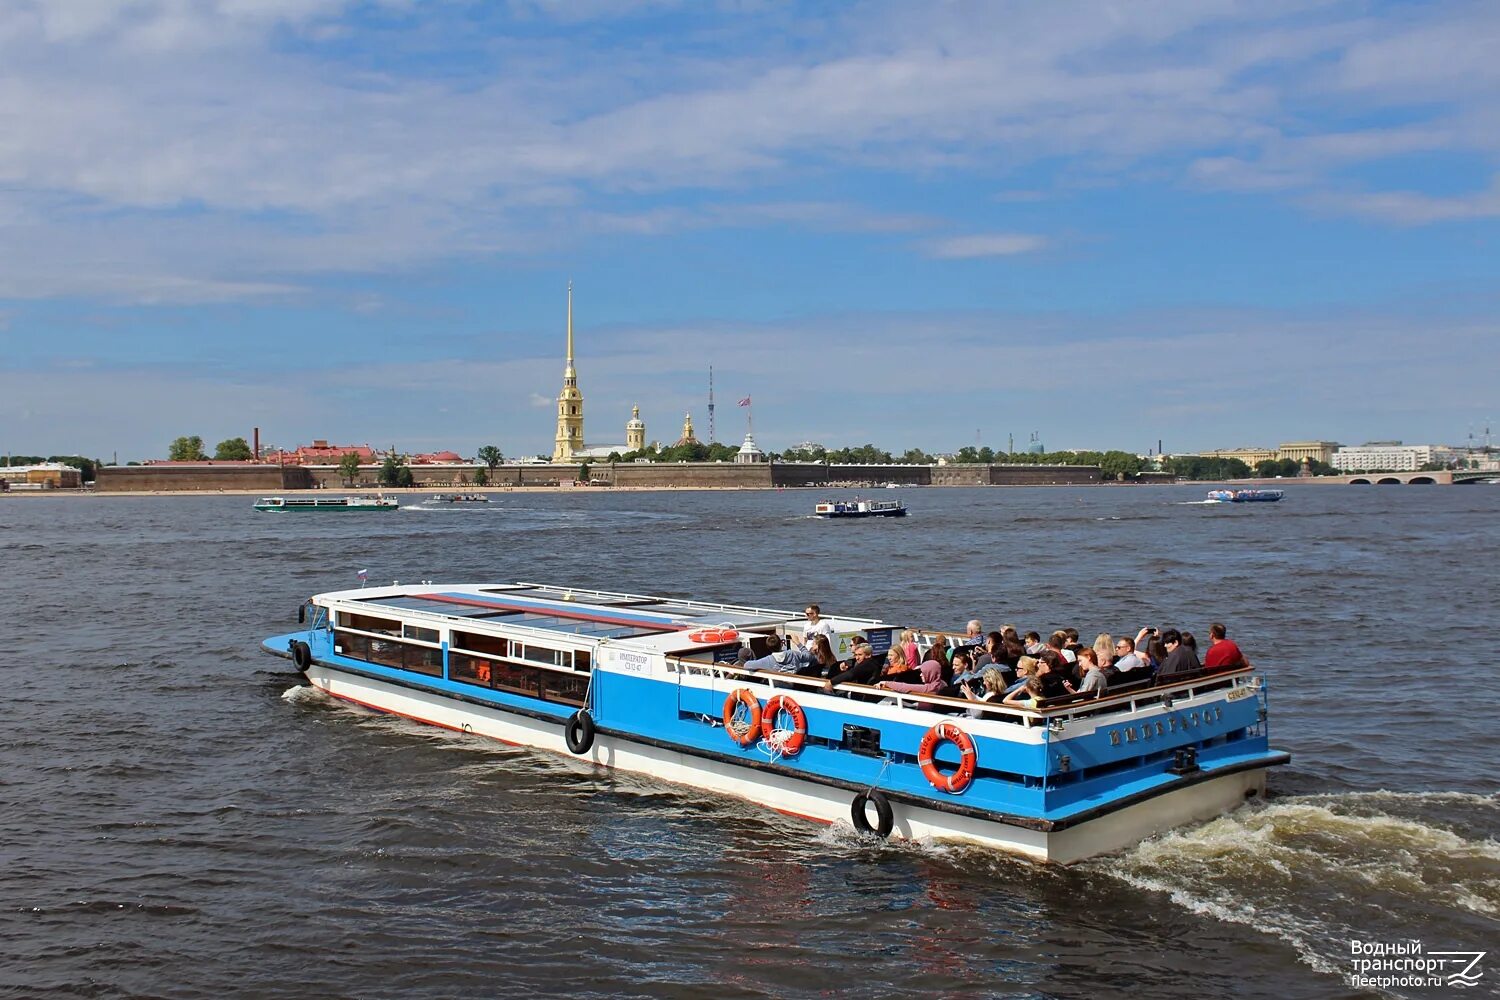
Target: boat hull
1208,794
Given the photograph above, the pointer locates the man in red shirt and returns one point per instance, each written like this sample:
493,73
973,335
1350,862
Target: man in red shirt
1223,654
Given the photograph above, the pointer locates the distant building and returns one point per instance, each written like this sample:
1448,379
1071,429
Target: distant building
635,440
749,453
1250,456
635,431
437,458
1317,451
1390,456
320,452
46,476
687,432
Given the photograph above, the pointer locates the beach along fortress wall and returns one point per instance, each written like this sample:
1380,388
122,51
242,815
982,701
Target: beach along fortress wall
642,475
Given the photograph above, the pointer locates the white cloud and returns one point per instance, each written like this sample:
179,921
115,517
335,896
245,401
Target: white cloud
186,148
984,245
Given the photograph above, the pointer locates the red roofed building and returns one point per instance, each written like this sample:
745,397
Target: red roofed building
322,453
437,458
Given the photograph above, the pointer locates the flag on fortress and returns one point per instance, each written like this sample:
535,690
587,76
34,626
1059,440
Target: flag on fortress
745,401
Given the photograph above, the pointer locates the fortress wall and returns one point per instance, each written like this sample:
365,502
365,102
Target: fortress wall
271,478
700,475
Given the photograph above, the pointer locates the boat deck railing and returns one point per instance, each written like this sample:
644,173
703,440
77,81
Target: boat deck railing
1129,699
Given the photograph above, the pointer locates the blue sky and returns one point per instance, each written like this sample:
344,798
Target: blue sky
1209,223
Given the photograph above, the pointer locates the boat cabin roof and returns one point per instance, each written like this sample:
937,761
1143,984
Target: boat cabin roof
654,624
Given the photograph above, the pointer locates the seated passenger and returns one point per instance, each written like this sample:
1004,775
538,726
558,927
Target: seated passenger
992,651
973,633
1026,668
897,668
1033,643
1180,659
794,660
931,682
991,688
778,658
1104,650
824,659
1056,675
1128,666
1093,683
1223,652
1059,641
964,672
1026,695
864,669
910,649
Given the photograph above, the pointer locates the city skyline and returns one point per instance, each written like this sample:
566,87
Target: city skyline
1216,227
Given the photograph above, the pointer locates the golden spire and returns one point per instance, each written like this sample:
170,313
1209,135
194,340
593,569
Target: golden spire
569,372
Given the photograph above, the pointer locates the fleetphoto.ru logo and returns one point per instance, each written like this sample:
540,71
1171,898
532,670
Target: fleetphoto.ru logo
1388,964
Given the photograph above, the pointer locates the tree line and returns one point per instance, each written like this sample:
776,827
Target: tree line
189,448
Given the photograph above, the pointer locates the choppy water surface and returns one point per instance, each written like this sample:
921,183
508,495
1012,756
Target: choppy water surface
179,819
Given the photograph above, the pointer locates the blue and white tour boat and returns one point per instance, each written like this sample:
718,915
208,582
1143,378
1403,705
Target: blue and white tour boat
1245,496
861,508
651,685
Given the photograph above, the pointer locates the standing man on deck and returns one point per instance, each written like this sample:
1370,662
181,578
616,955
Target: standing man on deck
816,625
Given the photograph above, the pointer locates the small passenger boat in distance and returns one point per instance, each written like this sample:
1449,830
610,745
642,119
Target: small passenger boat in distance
1245,496
861,508
284,504
653,685
460,498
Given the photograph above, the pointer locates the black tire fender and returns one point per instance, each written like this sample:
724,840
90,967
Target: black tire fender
301,654
885,820
579,732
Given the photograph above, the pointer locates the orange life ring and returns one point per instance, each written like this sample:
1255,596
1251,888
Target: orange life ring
744,735
968,759
714,635
790,744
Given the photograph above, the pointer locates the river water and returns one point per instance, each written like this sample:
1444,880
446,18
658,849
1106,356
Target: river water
178,818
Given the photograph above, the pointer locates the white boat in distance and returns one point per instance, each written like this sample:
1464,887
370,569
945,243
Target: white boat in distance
861,508
281,505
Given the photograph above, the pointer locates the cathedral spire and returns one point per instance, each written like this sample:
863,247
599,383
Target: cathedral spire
569,403
568,372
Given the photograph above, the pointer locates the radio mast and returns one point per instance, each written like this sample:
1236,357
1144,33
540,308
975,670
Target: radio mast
711,438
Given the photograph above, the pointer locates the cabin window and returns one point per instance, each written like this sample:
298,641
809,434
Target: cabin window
369,623
419,633
423,660
582,661
386,653
491,644
515,678
352,645
551,657
564,688
471,669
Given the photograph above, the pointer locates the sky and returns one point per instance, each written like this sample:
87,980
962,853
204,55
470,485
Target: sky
1105,224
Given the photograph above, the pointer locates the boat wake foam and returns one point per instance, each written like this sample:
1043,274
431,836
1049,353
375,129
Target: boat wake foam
304,694
1320,871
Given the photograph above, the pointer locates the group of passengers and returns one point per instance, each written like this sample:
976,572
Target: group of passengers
1003,667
